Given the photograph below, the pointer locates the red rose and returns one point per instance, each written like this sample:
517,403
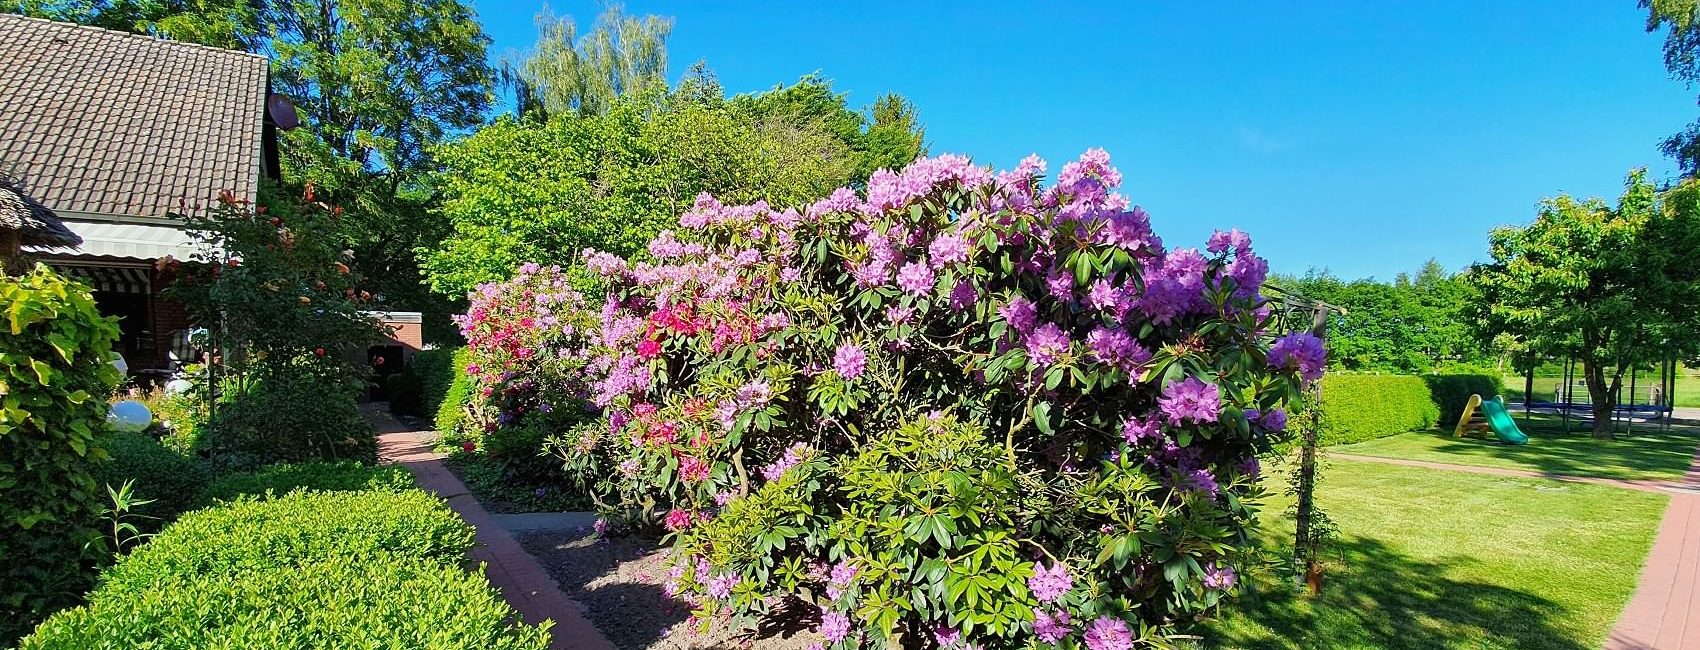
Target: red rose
318,352
469,446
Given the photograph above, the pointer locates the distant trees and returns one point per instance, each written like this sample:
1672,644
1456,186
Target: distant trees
1414,324
1609,286
565,73
1682,59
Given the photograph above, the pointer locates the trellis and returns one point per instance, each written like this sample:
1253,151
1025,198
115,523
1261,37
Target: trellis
1293,312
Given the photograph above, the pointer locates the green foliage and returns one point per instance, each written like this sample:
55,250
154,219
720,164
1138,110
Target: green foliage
55,373
1682,59
180,419
567,74
284,478
1609,286
890,136
168,479
451,412
306,414
122,521
404,391
376,569
1363,407
1408,326
229,24
1450,393
436,371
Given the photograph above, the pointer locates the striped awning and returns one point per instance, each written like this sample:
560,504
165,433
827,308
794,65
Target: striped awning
131,240
111,279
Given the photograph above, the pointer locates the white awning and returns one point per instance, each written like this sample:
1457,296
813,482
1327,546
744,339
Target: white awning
130,240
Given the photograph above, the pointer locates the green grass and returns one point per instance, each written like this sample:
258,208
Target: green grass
1641,453
1687,386
1432,559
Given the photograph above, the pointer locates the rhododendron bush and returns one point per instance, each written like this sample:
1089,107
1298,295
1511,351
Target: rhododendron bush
961,408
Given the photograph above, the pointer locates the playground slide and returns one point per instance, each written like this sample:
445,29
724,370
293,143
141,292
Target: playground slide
1504,427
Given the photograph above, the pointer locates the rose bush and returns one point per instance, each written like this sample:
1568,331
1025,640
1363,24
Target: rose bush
958,409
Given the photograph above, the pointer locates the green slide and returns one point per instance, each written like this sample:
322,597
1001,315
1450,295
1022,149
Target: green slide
1504,427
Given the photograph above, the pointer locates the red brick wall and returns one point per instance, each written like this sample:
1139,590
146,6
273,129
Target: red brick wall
169,318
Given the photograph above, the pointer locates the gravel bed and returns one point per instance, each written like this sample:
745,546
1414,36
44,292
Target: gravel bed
618,581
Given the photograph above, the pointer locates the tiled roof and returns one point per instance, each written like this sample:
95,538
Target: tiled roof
99,121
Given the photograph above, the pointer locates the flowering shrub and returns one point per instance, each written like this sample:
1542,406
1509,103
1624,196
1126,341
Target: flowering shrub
960,408
526,350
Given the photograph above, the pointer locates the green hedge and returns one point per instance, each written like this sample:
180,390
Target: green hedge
420,389
55,374
288,417
281,479
168,478
452,411
1452,392
1356,408
375,569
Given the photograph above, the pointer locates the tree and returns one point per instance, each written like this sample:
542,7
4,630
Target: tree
1411,325
1682,59
890,138
565,73
1611,287
230,24
522,191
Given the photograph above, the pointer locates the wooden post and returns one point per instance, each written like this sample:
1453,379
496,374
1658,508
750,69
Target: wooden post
1304,554
11,251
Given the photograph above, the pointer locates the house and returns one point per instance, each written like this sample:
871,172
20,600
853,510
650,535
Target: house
120,134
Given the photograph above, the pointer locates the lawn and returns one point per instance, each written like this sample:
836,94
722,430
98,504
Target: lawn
1546,385
1645,453
1433,559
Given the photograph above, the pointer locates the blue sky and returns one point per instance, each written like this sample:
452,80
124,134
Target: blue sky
1361,141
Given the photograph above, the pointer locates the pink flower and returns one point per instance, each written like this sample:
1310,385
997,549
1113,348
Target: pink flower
693,469
649,349
721,586
1108,633
916,278
678,520
834,626
849,361
948,249
1049,585
1049,628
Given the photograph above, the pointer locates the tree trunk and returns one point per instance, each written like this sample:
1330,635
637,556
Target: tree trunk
1601,394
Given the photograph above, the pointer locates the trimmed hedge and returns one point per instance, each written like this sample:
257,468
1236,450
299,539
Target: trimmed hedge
1356,408
419,390
288,417
451,412
170,479
375,569
281,479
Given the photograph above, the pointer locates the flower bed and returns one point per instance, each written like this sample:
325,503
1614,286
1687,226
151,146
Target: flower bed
961,408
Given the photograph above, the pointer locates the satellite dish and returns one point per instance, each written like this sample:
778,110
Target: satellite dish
282,112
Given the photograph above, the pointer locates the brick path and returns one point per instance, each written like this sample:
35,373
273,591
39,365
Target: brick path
1664,613
519,577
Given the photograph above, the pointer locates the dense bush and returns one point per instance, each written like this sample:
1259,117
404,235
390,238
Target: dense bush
436,371
377,569
452,411
307,414
180,419
55,374
886,406
1451,392
168,478
1356,408
283,478
404,392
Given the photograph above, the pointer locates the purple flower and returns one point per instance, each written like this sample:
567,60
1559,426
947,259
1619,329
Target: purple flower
947,636
1273,420
1301,351
916,278
1220,578
1020,313
1108,633
1050,628
843,572
1104,295
899,315
1060,282
1130,231
1190,400
948,249
601,526
834,626
1250,467
963,295
1135,430
754,394
721,586
790,275
1113,345
1049,584
1202,482
1047,344
1221,241
849,361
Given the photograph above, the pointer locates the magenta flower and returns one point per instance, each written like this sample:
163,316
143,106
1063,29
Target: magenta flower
949,248
916,278
1190,400
849,361
834,626
1050,628
963,295
1221,241
1109,633
947,636
1061,284
1048,585
1135,430
678,520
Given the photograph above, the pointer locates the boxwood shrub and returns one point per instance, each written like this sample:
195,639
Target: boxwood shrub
283,478
250,534
168,478
451,409
375,569
1451,392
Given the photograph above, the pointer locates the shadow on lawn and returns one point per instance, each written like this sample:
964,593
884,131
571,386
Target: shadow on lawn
1385,599
1550,450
